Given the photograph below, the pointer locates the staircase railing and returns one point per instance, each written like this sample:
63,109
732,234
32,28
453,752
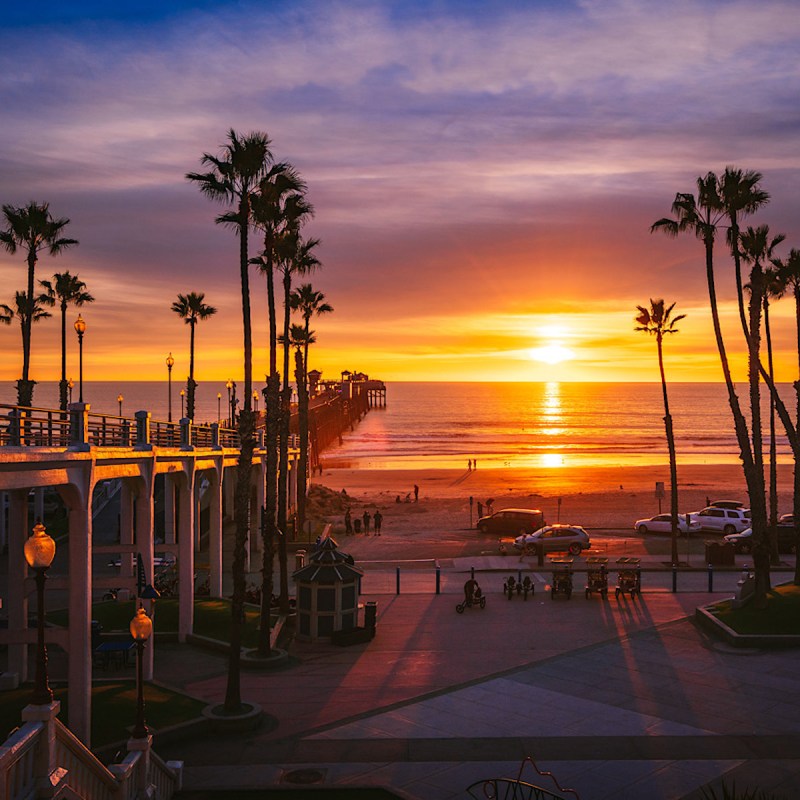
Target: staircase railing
18,761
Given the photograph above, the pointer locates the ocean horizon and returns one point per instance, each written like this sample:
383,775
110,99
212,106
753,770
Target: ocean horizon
442,424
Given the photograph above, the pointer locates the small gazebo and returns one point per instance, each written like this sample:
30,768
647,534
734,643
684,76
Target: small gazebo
327,593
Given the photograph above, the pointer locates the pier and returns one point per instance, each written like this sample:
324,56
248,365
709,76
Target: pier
77,453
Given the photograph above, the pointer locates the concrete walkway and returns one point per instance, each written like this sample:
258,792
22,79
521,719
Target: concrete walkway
620,699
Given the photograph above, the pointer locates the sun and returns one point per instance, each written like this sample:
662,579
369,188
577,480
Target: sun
553,353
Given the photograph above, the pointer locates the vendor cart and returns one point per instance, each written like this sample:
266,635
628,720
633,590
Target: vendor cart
562,577
597,576
629,577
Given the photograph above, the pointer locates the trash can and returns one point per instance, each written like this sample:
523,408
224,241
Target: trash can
371,616
727,554
713,553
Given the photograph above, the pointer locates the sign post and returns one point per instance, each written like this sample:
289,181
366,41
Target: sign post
471,501
659,493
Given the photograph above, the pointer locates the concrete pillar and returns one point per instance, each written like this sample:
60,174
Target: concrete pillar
126,532
144,546
197,509
169,510
17,572
215,535
229,489
186,555
80,615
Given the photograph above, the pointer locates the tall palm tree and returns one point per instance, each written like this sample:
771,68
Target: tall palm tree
756,247
32,229
232,179
191,309
789,272
308,301
65,289
278,206
701,216
295,257
658,321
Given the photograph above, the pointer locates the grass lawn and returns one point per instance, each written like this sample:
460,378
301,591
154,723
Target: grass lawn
781,616
212,618
113,709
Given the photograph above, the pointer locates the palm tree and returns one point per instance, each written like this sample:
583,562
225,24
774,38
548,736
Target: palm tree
233,177
755,247
701,216
658,321
191,308
278,206
308,301
23,310
789,273
295,257
32,229
65,289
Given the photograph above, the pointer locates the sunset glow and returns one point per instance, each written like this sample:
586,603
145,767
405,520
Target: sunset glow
483,215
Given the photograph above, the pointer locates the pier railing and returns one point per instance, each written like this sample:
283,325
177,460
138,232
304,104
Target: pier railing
79,426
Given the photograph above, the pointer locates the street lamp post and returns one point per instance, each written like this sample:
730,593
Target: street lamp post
219,401
120,398
40,549
80,329
141,628
229,387
170,364
255,401
183,396
70,385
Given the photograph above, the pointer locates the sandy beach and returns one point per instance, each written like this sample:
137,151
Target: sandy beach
596,497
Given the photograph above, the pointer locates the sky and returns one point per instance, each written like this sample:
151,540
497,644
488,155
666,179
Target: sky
484,176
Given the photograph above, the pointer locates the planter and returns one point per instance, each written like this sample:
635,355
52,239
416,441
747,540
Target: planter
247,719
252,660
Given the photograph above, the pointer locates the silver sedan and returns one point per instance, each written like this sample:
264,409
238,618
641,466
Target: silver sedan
662,523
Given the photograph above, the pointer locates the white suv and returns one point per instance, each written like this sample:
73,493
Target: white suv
726,520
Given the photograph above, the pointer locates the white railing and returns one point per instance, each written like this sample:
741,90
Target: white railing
86,775
166,778
17,762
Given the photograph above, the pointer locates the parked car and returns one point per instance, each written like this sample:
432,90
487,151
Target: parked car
554,539
726,520
743,540
511,521
726,504
662,523
786,519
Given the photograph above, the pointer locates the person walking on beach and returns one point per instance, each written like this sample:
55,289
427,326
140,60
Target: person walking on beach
348,522
469,465
416,493
377,519
480,509
366,517
474,463
489,505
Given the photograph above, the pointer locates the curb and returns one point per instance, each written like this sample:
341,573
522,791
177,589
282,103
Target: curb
711,623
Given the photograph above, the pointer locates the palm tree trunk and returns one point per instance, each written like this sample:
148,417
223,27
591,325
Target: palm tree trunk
773,449
62,385
25,385
739,422
302,430
190,387
233,694
673,464
758,505
283,451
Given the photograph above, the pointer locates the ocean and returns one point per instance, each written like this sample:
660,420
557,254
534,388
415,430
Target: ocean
441,425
